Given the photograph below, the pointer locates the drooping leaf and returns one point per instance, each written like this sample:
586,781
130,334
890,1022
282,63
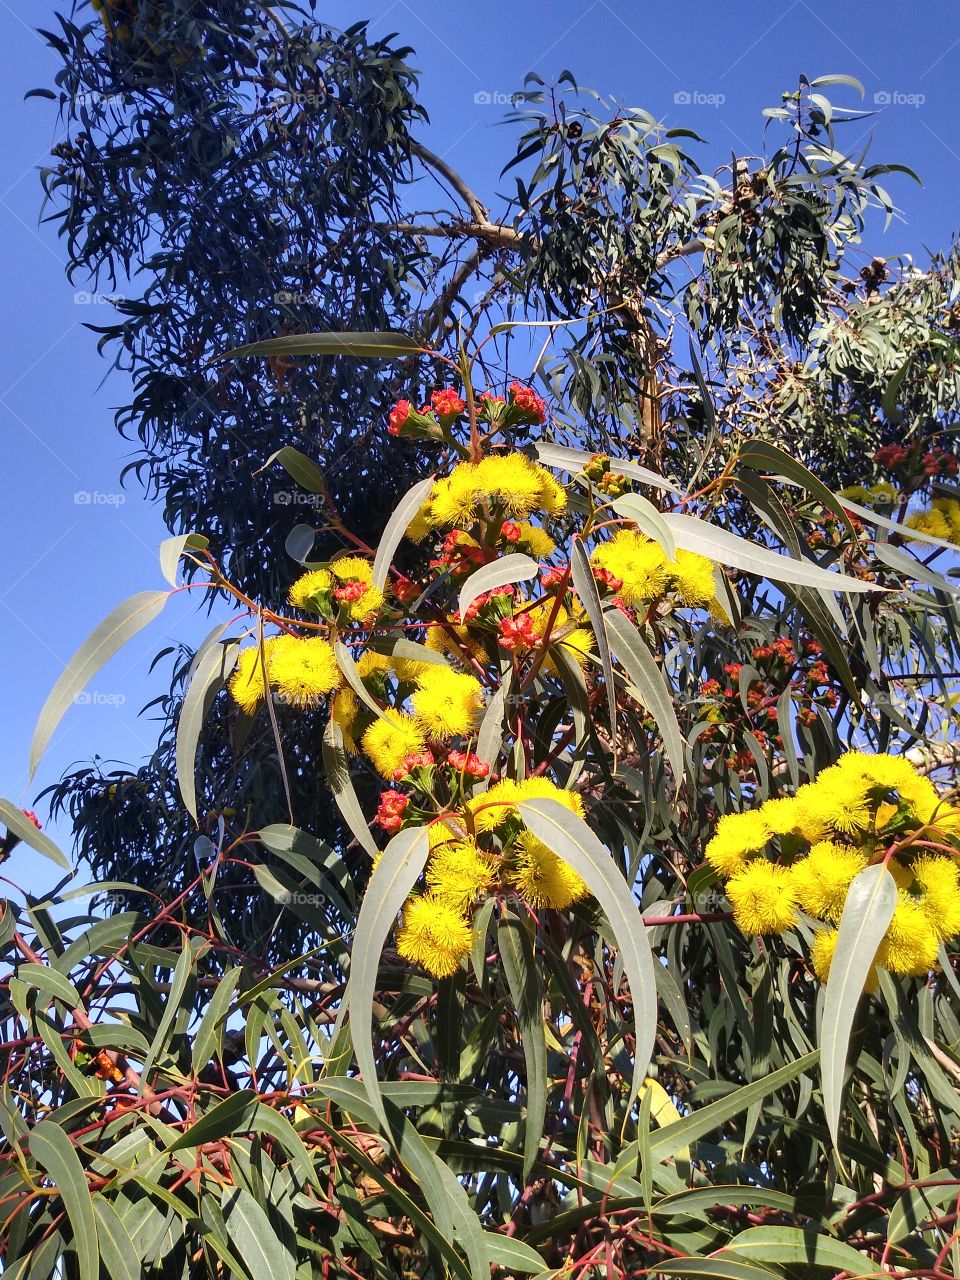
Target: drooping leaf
515,567
55,1153
209,675
15,820
585,586
572,840
397,526
650,682
867,911
253,1237
526,991
171,549
126,621
365,346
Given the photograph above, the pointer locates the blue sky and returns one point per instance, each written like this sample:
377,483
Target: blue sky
74,543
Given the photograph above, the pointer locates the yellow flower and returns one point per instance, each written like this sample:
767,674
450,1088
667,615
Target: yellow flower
434,936
459,873
809,822
911,943
577,643
247,686
343,712
780,815
307,588
444,831
447,703
439,640
352,569
553,496
391,739
541,878
303,670
822,878
939,879
372,663
763,898
692,578
932,522
840,798
736,837
949,508
513,482
493,807
543,789
821,955
536,540
454,500
639,563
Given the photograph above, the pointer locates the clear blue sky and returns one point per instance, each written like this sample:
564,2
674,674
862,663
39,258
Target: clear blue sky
67,562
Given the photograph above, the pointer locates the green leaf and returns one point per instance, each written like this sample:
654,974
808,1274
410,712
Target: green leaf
366,346
572,840
208,1040
210,674
798,1246
394,876
650,682
253,1237
560,458
116,1247
15,820
512,1254
55,1153
298,543
917,1204
526,991
126,621
914,535
714,1268
909,567
341,784
171,549
52,983
397,526
647,518
515,567
585,586
867,911
760,455
299,467
283,840
737,553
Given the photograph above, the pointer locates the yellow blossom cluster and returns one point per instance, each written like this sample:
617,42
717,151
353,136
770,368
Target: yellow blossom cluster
941,520
506,483
645,573
300,670
800,854
483,849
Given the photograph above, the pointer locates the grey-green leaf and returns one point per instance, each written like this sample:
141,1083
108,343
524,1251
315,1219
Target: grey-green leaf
572,840
15,820
868,910
370,346
395,875
650,682
209,676
254,1238
515,567
397,526
126,621
54,1151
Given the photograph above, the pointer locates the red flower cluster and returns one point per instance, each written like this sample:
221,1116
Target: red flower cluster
607,578
458,553
28,813
415,760
518,634
527,400
469,763
550,578
390,811
446,403
912,462
509,531
398,417
349,592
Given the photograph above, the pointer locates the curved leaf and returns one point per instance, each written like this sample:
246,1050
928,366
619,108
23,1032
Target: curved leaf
397,526
368,346
798,1246
585,586
393,877
737,553
209,676
126,621
55,1153
254,1238
298,467
651,684
561,458
515,567
572,840
171,549
867,912
341,784
526,991
15,820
